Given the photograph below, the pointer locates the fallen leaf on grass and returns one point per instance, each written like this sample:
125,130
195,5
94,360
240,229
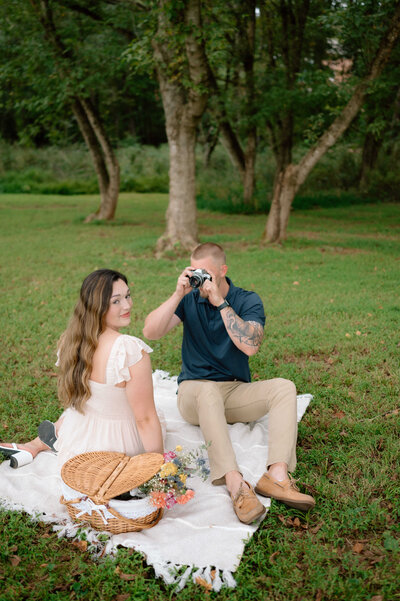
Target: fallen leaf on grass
339,414
358,548
272,556
124,576
14,560
204,583
295,283
296,522
377,598
123,597
373,558
309,488
318,596
81,545
317,528
62,587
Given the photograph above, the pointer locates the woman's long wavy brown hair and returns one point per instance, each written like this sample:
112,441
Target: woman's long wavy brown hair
79,341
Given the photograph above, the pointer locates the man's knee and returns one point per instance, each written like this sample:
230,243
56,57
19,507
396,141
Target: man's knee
209,396
197,399
280,390
288,387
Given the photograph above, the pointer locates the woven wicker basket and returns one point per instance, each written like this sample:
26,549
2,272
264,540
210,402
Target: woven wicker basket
100,476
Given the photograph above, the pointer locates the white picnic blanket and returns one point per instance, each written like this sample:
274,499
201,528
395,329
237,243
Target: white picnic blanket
200,539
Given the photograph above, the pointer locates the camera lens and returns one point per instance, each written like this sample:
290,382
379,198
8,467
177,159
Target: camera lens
196,280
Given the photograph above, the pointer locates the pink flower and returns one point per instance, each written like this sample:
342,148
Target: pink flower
170,502
169,456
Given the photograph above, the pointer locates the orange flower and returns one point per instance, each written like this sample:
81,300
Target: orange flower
158,499
182,499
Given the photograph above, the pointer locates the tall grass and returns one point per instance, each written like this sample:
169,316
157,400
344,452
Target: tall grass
331,296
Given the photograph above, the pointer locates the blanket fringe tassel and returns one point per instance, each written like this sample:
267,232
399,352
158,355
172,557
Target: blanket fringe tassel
210,577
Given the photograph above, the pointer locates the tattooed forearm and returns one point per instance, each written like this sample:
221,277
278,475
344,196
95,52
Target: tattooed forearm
246,332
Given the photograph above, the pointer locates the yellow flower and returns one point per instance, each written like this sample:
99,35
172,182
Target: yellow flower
182,478
178,448
168,469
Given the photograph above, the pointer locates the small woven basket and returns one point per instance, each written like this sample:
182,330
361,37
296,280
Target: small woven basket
100,476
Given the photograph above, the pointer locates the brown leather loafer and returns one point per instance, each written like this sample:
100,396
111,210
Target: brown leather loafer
246,505
285,491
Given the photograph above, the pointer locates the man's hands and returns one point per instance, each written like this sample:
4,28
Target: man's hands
208,290
211,291
182,286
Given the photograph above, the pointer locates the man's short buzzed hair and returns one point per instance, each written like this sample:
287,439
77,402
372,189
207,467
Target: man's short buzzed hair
210,249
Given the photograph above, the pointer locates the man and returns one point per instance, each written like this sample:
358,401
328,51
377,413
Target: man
222,326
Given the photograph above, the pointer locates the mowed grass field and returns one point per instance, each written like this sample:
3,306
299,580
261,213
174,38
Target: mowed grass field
331,297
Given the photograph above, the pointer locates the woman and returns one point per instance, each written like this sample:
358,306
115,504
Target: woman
105,381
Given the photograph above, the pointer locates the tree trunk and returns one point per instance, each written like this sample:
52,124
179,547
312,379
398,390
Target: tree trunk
183,107
229,139
285,190
370,152
181,223
104,160
249,176
293,176
210,141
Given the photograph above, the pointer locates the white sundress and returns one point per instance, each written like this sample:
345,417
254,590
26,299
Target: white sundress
108,423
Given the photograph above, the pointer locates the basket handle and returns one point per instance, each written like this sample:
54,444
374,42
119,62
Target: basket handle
99,497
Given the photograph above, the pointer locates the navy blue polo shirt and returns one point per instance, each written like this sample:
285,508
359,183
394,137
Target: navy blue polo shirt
207,351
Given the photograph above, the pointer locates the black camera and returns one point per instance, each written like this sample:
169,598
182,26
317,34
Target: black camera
198,277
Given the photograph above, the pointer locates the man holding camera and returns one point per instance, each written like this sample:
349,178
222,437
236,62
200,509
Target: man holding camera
222,326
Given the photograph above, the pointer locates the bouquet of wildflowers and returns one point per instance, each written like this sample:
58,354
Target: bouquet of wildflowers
168,486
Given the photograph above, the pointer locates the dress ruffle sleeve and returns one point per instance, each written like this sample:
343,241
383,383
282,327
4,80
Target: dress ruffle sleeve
126,351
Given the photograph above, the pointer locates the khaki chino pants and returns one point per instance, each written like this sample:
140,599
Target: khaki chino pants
212,405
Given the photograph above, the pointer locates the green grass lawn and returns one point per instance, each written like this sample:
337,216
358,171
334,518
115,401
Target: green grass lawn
331,296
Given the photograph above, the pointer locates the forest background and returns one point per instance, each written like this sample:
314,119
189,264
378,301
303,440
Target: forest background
231,106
